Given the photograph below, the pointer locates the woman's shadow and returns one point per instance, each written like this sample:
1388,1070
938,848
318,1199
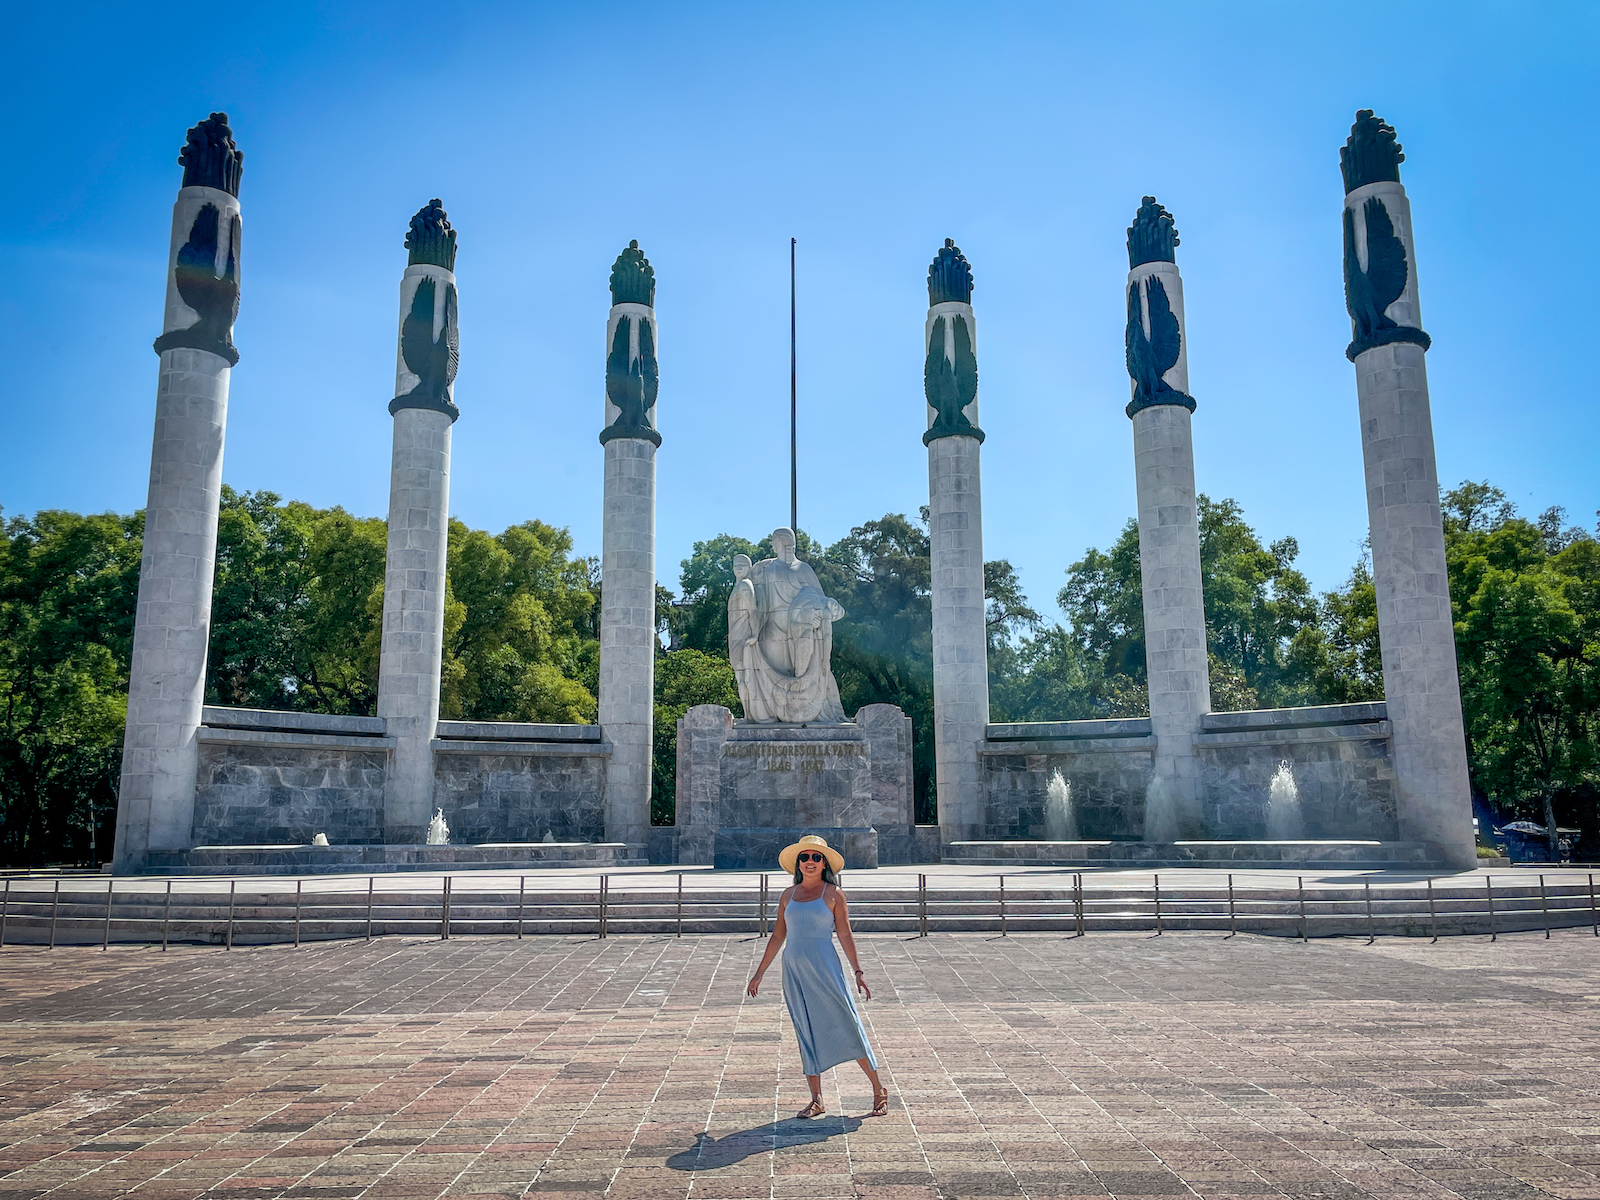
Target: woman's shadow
709,1153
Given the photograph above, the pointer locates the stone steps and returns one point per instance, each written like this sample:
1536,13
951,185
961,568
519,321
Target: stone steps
1213,855
143,913
386,859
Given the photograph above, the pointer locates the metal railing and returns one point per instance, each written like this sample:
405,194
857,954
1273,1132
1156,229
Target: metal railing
256,910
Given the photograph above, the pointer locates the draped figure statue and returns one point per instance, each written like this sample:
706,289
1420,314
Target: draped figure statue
780,639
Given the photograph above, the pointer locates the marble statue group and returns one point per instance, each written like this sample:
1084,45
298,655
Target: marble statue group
780,638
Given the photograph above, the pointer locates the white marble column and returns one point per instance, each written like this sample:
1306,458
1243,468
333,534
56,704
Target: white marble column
1410,575
172,623
1176,663
628,642
955,534
419,524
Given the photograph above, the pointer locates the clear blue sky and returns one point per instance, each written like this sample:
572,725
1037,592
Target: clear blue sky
712,133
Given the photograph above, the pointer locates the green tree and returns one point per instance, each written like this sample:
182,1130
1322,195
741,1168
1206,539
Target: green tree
1526,599
68,586
296,606
517,617
1262,630
684,678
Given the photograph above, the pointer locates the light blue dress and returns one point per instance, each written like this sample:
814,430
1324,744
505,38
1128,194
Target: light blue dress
826,1023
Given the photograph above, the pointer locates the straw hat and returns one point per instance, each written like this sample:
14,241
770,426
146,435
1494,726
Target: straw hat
810,842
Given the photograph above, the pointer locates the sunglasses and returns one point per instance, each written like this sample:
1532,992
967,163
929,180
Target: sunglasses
807,856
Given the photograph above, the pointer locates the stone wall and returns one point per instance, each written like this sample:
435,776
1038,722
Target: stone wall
280,778
745,791
269,778
1339,755
1108,765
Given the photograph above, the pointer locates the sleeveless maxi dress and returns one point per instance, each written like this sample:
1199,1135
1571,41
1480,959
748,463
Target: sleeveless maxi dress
826,1023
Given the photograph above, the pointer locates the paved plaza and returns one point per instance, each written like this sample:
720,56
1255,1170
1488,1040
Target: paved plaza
632,1067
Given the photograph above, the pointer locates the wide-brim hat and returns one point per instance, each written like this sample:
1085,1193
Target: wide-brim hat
811,841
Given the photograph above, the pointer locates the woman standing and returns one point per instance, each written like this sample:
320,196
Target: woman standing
826,1023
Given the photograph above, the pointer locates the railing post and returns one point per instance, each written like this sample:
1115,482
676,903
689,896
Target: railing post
371,883
1158,903
444,909
1488,883
922,903
298,883
1366,888
522,902
1300,891
1002,906
680,904
55,905
762,931
1594,913
105,937
166,916
604,879
1077,905
1233,925
1544,905
1433,917
233,885
5,911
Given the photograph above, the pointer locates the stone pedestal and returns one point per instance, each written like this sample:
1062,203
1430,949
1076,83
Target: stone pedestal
747,791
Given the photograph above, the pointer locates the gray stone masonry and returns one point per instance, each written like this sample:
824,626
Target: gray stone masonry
413,615
889,744
1169,562
1415,626
746,791
498,791
280,778
960,635
172,622
1339,754
628,635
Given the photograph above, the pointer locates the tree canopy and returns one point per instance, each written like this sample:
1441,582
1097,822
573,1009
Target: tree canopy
297,623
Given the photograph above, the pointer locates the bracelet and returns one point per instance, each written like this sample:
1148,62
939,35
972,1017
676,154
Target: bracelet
859,971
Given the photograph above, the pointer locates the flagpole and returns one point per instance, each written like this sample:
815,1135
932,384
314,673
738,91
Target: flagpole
794,470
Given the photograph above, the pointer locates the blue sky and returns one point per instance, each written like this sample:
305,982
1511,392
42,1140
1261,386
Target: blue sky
712,133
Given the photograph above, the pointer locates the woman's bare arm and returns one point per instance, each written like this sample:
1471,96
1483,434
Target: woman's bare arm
840,905
779,929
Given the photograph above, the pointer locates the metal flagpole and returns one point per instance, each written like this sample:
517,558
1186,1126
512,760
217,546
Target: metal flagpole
794,470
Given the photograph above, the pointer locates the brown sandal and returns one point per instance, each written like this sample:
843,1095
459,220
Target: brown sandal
880,1104
814,1109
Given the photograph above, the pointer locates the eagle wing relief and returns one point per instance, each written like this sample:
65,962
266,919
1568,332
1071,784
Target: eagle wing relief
1369,293
1166,340
950,387
213,297
416,336
1151,357
649,373
450,338
632,383
432,359
1386,260
966,372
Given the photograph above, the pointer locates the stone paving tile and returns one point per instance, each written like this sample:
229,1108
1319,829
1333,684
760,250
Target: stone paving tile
634,1069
